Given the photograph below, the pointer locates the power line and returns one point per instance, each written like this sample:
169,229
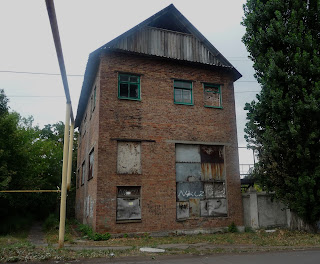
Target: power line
72,75
42,73
35,96
248,92
247,81
60,96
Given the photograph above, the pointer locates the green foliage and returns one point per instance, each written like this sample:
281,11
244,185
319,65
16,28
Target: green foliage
248,229
233,228
89,233
30,159
99,237
283,39
15,223
51,222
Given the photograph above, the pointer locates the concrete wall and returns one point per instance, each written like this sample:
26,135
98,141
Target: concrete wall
261,212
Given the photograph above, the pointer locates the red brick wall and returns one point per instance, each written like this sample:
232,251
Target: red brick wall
88,141
156,117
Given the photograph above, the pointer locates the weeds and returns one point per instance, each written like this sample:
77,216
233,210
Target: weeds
90,234
52,222
15,248
233,228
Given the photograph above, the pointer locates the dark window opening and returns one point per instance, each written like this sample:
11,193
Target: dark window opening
129,87
91,165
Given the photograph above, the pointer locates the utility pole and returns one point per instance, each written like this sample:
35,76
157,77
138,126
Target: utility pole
68,129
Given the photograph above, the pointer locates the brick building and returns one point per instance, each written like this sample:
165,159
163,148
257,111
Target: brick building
157,132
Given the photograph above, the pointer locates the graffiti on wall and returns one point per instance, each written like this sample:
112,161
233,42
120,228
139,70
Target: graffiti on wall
200,179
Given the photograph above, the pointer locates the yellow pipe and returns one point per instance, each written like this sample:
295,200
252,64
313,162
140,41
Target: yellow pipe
64,178
29,191
70,156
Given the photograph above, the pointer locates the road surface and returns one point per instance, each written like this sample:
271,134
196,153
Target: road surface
293,257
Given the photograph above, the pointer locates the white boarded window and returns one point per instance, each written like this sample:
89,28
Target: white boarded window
129,158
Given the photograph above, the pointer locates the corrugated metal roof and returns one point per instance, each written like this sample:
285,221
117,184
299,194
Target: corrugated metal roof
168,19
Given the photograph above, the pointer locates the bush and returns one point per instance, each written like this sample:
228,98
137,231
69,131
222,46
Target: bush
99,237
51,222
87,231
248,229
15,223
233,228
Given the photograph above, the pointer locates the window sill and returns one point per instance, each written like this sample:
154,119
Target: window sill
178,103
203,217
90,178
128,221
216,107
128,98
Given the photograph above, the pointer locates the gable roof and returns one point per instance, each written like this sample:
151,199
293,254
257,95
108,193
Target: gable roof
168,19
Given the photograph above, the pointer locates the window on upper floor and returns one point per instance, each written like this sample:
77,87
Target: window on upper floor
129,87
84,125
183,92
93,98
212,95
91,164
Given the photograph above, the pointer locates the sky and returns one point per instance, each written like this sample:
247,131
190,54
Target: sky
27,46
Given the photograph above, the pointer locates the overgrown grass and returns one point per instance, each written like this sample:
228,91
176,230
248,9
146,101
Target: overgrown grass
259,238
90,234
16,248
51,229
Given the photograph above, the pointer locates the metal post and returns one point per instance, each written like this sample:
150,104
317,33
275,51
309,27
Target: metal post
70,156
64,178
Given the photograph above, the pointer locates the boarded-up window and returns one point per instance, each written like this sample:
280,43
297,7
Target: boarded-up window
128,203
212,95
200,177
83,172
129,158
91,163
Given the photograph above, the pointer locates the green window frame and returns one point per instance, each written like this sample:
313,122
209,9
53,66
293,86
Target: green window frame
129,87
182,92
212,95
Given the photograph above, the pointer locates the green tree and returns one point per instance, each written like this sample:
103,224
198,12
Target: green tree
30,159
283,39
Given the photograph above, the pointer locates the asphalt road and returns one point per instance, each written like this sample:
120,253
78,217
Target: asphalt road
293,257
